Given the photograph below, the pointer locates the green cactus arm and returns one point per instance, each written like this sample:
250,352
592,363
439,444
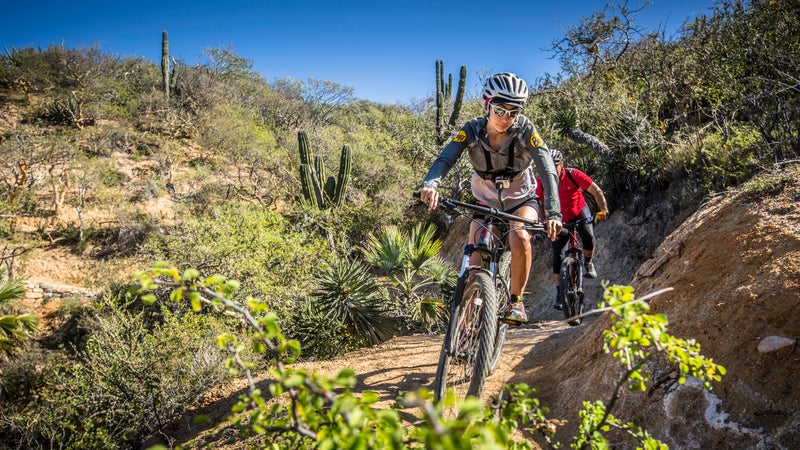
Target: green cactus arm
305,149
311,188
165,63
307,184
462,83
344,175
448,94
319,167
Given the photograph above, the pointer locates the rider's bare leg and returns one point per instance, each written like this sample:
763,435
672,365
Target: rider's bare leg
520,243
474,228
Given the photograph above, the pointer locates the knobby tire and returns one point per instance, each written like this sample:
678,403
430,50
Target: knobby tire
440,385
464,359
502,293
570,297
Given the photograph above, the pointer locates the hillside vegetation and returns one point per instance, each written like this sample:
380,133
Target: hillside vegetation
104,172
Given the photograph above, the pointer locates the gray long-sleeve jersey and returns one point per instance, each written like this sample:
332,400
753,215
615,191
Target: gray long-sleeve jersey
527,147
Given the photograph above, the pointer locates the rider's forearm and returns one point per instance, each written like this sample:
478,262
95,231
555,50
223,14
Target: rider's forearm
597,193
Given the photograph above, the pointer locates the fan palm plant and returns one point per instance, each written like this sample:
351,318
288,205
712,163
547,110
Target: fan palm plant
414,273
386,251
14,329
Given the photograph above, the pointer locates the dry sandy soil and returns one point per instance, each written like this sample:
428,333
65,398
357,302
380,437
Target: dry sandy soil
734,267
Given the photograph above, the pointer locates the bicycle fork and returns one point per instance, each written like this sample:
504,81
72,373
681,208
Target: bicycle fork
578,286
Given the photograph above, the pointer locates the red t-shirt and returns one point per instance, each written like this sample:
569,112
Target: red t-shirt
570,196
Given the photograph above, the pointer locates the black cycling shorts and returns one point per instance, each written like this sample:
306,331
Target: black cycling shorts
532,202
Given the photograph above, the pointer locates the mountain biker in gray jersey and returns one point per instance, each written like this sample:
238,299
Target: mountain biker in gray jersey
501,146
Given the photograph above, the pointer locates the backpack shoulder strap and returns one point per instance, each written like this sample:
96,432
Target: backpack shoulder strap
569,175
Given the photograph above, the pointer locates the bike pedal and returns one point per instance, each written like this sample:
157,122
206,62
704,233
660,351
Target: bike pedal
512,322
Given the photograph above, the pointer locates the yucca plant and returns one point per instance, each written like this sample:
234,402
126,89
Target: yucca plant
637,161
347,292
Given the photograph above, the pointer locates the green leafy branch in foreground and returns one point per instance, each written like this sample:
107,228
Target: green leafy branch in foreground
307,410
634,339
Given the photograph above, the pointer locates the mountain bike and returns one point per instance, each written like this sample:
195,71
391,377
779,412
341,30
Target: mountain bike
571,274
477,327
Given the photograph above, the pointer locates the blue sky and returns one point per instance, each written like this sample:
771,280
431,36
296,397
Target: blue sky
385,50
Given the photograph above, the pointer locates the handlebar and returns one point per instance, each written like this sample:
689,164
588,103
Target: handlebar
452,205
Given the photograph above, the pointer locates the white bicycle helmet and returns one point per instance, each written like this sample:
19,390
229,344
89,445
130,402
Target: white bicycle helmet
506,88
556,154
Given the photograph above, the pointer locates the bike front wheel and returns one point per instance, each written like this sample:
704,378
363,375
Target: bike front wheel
502,294
464,359
571,292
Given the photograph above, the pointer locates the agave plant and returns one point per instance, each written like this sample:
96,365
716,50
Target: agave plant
320,335
347,292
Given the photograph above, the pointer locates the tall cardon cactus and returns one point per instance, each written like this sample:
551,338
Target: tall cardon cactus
444,93
322,192
165,63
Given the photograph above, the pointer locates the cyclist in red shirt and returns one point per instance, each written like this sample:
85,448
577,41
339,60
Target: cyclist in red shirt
571,184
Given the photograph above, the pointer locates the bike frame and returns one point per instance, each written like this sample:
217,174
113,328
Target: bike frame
572,269
493,236
492,244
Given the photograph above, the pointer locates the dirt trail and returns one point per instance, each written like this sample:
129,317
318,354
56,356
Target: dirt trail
403,364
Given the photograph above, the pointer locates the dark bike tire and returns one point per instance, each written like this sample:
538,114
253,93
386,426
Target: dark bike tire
502,281
572,304
482,284
439,384
464,359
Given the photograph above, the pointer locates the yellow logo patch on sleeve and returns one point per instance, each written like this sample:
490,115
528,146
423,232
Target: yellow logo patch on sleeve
460,137
536,141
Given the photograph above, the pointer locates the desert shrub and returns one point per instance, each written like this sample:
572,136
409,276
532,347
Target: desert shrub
255,245
130,379
727,156
124,239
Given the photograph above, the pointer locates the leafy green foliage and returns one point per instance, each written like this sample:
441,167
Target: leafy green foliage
322,412
249,243
634,335
634,339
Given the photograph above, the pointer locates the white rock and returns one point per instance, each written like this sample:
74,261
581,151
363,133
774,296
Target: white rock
774,343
